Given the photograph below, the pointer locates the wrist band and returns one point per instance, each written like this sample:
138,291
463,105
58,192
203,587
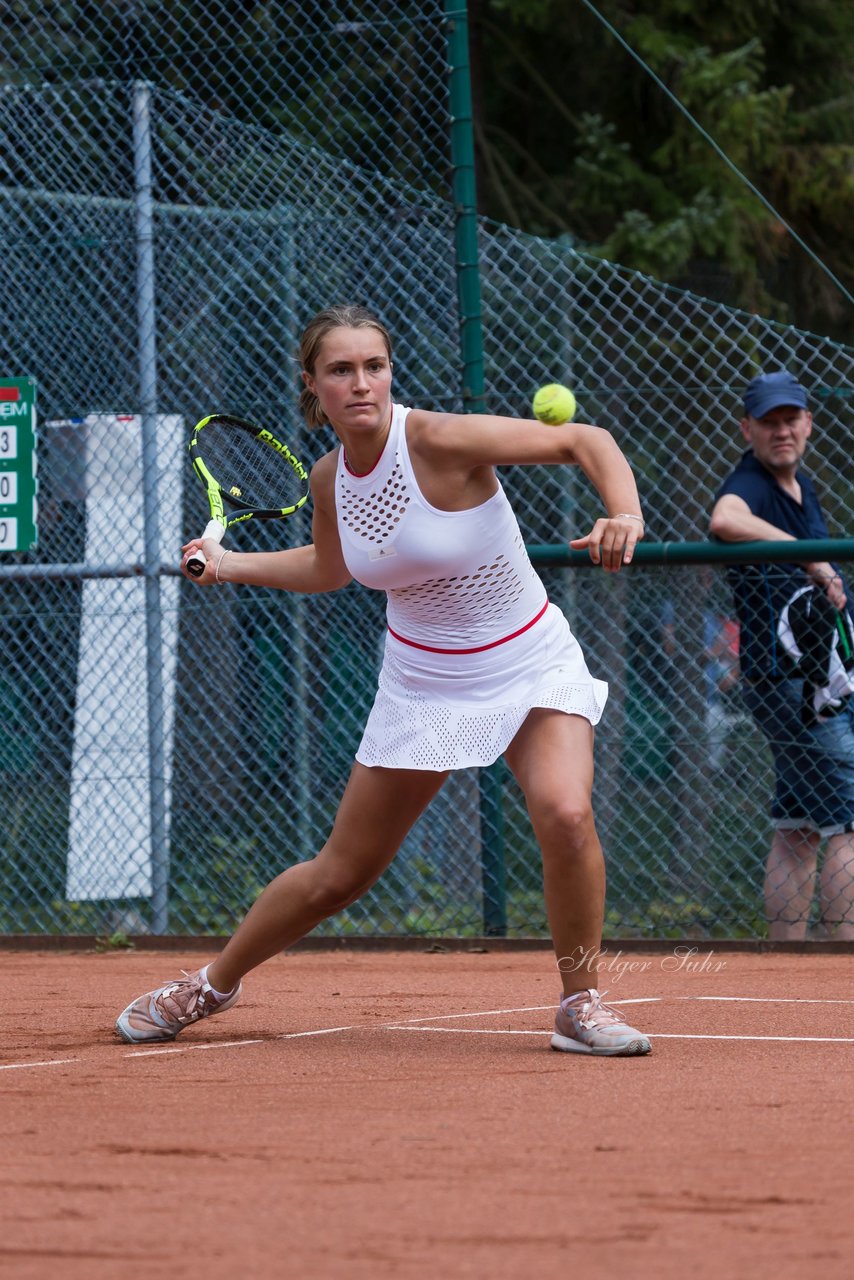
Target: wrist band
626,515
218,563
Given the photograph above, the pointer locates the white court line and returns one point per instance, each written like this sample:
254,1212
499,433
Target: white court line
525,1008
238,1044
360,1026
662,1035
478,1031
324,1031
411,1024
481,1013
188,1048
224,1044
470,1031
368,1026
52,1062
761,999
632,1000
153,1053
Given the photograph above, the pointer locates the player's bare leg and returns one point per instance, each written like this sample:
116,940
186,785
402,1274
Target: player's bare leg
837,887
552,759
790,883
377,810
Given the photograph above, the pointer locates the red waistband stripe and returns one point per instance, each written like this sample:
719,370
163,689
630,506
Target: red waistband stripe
429,648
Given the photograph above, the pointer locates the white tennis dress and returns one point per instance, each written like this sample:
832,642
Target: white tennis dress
473,643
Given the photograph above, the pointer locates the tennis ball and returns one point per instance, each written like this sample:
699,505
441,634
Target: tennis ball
554,404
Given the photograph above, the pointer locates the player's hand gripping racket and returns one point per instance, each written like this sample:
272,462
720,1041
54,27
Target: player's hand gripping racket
248,468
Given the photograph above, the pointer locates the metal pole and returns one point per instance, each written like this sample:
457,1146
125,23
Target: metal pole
493,872
471,349
296,606
147,354
464,190
659,553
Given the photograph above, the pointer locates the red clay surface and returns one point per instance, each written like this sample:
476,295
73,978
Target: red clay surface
408,1140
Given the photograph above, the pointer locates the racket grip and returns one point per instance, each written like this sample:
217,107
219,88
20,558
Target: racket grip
195,565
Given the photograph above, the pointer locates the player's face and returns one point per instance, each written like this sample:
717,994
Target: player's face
352,379
779,438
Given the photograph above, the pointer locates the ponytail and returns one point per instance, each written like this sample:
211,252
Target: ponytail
309,407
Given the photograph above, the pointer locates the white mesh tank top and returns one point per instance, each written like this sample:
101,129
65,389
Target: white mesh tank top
456,581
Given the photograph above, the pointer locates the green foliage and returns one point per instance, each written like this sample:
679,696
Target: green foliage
214,884
116,941
620,167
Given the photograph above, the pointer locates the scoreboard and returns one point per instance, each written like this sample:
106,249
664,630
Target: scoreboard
18,487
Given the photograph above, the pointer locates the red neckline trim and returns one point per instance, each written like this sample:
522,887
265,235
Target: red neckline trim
429,648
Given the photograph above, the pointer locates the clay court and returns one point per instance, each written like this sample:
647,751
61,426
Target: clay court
400,1113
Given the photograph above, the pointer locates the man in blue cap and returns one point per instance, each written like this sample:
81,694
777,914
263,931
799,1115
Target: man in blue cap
769,498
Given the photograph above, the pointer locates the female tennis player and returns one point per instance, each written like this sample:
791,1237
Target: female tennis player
477,663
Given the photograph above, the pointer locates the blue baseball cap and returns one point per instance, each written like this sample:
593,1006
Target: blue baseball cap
773,391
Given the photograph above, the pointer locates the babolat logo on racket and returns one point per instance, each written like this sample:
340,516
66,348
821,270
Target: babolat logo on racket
283,449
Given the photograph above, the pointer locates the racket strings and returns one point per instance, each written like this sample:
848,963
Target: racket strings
250,472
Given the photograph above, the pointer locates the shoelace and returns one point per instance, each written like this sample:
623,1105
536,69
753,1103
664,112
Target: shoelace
593,1013
187,996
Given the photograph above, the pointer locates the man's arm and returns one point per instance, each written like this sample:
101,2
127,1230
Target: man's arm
733,521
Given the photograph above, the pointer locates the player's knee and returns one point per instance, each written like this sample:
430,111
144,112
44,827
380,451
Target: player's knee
568,824
334,888
330,897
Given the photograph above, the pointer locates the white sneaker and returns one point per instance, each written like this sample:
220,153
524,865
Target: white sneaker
162,1014
584,1024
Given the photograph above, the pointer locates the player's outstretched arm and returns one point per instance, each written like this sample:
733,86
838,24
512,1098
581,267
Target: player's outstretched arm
612,540
478,440
451,441
319,566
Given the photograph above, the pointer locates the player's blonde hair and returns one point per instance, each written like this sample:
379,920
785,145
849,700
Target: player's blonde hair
345,316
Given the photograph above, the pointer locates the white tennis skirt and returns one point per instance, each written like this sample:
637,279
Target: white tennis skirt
453,711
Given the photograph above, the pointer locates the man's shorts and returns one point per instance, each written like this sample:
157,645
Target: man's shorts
814,768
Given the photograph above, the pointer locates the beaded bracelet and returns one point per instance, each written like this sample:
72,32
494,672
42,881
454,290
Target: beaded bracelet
218,563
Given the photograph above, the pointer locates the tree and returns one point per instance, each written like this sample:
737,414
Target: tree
575,137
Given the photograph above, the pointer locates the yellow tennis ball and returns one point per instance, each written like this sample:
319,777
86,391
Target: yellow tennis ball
554,404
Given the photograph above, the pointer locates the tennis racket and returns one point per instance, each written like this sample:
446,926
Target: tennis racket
247,468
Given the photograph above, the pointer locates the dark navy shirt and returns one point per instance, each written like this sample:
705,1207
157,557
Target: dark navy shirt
760,591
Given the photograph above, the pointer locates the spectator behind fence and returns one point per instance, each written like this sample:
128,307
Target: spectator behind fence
721,642
809,727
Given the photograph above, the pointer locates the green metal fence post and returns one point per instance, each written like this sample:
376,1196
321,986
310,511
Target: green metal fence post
471,347
464,192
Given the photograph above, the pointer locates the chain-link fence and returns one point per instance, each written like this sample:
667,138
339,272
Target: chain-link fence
165,751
